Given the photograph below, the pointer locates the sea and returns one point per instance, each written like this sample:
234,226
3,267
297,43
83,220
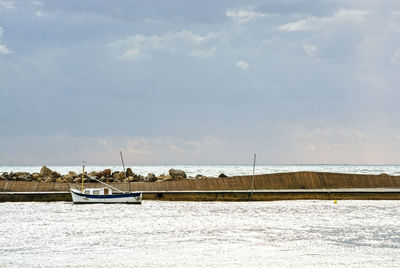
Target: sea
302,233
216,170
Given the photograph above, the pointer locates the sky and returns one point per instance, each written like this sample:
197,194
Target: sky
199,82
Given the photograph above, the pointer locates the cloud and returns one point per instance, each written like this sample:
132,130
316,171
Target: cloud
104,150
242,65
3,48
396,57
185,42
203,53
37,3
344,145
341,17
243,15
7,4
310,49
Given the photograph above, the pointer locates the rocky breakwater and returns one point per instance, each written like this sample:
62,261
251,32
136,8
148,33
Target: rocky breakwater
106,175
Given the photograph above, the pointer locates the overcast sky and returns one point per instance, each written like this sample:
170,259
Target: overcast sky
199,82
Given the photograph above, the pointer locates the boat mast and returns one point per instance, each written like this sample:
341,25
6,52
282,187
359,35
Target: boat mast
83,175
252,181
123,166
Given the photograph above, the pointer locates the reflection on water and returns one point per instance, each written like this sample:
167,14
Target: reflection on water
190,234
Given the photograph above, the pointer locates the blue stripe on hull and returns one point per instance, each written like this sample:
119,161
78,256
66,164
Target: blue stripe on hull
111,196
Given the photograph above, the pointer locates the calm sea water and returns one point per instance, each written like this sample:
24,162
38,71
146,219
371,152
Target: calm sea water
195,234
227,170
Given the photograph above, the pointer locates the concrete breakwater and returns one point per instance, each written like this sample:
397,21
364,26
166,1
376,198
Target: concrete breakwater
279,181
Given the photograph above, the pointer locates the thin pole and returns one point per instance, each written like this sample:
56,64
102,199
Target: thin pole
123,166
252,181
83,175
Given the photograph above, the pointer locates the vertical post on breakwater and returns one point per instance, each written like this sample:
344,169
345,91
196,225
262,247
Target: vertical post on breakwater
83,174
123,166
252,181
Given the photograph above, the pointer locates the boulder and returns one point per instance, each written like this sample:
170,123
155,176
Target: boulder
136,178
109,179
46,172
165,177
117,176
105,173
59,179
151,177
56,174
129,172
23,176
200,177
177,174
2,178
222,175
68,178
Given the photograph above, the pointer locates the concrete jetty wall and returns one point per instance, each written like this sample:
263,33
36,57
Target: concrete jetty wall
292,180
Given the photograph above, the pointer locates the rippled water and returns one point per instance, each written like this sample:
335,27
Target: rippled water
190,234
227,170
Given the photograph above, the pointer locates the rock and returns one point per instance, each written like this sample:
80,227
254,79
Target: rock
5,175
23,176
59,179
151,177
68,178
165,177
200,177
105,173
48,179
222,175
35,176
46,172
136,178
55,174
93,174
117,176
177,174
73,174
129,172
2,178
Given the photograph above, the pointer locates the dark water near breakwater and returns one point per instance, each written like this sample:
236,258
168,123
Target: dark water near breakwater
186,234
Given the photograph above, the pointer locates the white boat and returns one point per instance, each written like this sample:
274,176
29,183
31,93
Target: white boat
103,195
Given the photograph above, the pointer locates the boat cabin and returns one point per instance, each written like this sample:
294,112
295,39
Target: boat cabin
98,191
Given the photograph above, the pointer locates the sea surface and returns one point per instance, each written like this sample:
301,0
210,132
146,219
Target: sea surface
215,170
203,234
199,234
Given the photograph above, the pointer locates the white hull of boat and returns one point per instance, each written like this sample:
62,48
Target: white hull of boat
128,198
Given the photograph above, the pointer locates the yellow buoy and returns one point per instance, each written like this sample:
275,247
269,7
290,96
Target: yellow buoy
335,202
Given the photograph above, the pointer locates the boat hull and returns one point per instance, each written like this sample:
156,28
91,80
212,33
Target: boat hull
126,198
